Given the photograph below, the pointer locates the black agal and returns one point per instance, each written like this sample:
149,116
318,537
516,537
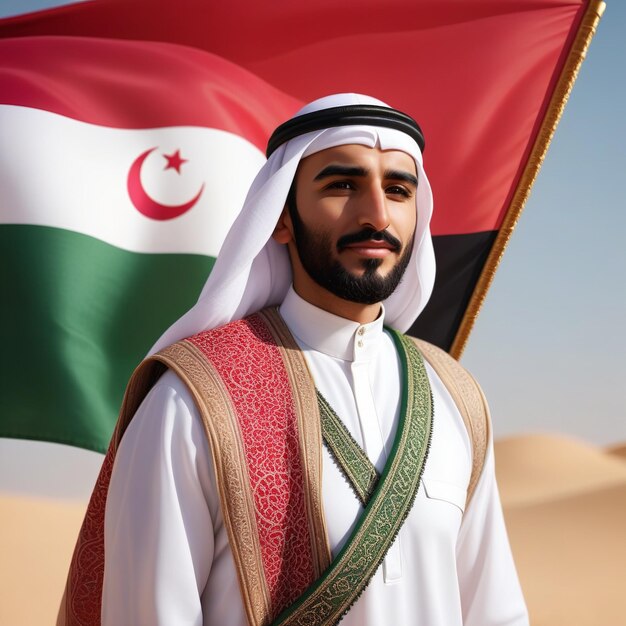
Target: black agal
350,115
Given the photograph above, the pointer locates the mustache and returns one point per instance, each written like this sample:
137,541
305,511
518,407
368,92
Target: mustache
369,234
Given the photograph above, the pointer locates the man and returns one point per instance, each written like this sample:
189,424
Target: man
224,506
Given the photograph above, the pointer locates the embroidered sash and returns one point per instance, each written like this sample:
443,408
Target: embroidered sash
260,412
258,405
347,453
330,597
468,397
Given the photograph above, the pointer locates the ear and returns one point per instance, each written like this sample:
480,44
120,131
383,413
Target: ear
283,232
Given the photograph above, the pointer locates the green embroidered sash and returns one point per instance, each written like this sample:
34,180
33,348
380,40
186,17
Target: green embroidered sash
354,464
391,499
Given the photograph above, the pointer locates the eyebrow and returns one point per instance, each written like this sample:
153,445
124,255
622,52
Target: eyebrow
341,170
401,175
358,171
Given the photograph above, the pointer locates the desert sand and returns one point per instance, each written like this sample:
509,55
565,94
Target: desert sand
564,503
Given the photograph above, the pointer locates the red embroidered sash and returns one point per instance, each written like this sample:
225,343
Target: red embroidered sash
260,413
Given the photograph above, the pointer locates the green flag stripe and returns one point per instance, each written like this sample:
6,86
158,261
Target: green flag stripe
77,316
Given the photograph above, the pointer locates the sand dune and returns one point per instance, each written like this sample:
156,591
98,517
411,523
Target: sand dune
571,558
36,545
539,468
565,507
619,451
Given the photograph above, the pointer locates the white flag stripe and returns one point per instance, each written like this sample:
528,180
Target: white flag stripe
40,469
63,173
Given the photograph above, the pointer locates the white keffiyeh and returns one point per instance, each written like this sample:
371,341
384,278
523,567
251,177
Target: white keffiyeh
252,271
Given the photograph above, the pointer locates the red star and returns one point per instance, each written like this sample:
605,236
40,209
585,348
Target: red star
174,161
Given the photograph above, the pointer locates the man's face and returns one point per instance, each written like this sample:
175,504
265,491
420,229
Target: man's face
352,221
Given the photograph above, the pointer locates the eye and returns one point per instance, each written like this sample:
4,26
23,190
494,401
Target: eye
398,190
340,184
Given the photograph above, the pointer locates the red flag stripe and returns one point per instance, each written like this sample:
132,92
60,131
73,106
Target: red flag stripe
138,84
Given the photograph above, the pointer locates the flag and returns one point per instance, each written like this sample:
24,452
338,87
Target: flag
130,132
112,218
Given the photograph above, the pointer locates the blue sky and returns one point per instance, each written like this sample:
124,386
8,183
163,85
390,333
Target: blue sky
549,346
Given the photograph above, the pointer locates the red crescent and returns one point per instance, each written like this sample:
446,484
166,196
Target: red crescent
144,203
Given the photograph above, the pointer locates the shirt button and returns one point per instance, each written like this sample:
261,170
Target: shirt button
361,331
360,344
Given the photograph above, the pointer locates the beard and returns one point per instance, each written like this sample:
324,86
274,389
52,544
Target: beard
318,257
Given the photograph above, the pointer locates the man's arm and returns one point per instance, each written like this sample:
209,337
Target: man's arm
159,539
488,582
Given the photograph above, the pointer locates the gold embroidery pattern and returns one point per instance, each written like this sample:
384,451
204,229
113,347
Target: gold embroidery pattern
230,468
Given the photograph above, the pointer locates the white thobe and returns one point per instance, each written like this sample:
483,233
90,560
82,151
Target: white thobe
168,561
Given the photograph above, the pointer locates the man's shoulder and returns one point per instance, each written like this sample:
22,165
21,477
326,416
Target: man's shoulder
469,400
428,349
441,361
223,333
236,337
248,345
252,329
463,387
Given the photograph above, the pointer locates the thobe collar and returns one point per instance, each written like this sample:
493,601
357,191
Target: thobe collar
335,336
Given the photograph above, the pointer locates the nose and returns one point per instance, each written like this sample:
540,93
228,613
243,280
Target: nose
373,211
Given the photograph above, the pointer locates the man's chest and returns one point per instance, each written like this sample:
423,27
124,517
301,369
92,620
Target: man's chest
365,395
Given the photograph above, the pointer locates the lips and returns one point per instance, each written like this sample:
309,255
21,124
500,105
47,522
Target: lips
371,249
370,242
